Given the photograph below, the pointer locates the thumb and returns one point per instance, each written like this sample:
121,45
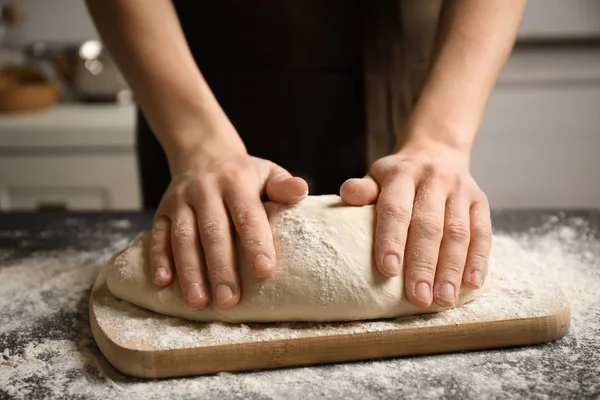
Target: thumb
284,188
359,191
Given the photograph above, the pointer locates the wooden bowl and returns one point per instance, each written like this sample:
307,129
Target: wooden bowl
25,89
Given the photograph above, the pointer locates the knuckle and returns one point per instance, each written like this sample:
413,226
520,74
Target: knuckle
253,245
391,242
457,231
461,185
214,233
171,202
199,181
452,269
177,195
483,233
394,213
163,210
420,269
379,167
478,260
244,215
481,206
429,228
157,250
196,187
158,247
398,170
481,197
218,270
183,231
158,235
160,222
430,170
231,174
434,174
188,272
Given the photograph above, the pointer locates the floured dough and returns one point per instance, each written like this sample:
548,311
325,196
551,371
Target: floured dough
325,272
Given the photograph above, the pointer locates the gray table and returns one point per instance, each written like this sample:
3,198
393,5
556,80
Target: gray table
48,262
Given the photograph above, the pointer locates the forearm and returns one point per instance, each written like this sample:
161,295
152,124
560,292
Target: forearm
474,41
149,46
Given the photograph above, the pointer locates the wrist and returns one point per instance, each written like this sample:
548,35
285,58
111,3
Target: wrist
204,150
437,134
429,145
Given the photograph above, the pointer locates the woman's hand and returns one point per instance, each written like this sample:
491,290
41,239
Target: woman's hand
431,217
193,234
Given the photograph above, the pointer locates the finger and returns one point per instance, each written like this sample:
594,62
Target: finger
252,226
453,252
394,209
359,192
284,188
161,259
423,244
187,255
218,245
478,255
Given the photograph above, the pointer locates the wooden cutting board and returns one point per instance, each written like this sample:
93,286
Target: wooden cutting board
144,344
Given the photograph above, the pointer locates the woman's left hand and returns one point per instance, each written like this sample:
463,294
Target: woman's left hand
431,217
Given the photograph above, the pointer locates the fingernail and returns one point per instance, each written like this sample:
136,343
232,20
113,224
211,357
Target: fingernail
262,263
447,292
476,278
160,274
224,294
423,292
391,264
195,295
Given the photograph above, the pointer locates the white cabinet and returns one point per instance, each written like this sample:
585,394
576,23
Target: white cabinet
539,145
75,157
561,19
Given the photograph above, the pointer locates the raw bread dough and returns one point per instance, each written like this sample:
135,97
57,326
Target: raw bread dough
325,272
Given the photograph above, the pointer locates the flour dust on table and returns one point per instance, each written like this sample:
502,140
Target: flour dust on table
39,358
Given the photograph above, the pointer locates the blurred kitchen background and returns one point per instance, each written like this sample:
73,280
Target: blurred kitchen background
67,120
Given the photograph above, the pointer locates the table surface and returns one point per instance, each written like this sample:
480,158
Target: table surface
46,348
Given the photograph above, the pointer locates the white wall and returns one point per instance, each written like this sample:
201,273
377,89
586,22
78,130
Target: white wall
68,20
561,19
53,21
539,145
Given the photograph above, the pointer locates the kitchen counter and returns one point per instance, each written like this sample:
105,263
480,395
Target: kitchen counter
74,156
48,262
69,125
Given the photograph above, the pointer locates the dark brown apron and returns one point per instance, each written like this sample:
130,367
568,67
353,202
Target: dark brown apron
288,74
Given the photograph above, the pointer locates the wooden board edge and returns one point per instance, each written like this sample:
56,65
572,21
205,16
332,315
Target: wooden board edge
328,349
112,351
333,349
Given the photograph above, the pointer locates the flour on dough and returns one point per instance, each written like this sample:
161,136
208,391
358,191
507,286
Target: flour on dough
325,272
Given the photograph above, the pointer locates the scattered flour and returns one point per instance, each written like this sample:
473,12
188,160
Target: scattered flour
517,291
47,350
120,224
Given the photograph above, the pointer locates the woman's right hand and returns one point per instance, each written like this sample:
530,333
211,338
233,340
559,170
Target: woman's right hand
210,198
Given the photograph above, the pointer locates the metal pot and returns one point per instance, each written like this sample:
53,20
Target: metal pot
87,69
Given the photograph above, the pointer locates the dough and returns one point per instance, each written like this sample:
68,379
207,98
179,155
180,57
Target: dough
325,272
